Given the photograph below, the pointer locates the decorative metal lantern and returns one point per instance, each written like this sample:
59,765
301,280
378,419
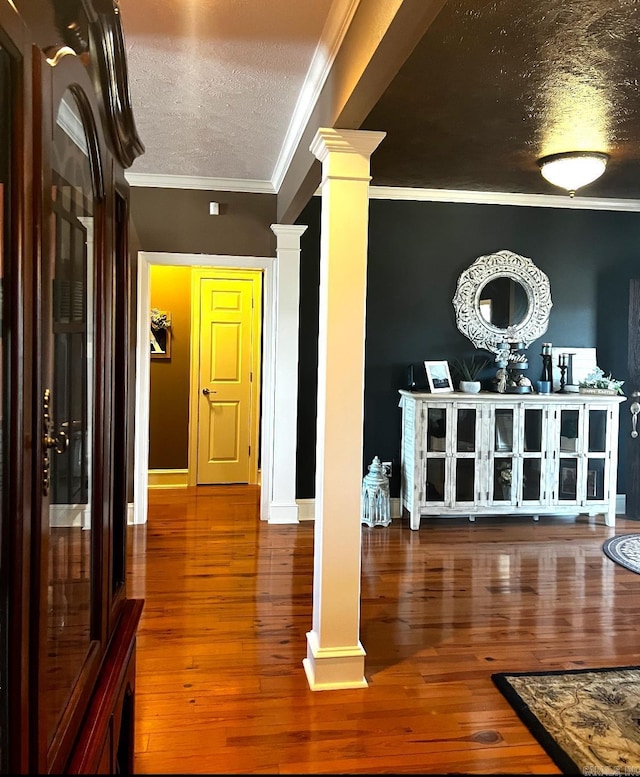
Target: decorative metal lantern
376,504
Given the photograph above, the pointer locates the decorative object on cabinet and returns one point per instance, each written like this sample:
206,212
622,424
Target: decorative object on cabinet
512,363
581,362
416,377
466,373
376,502
563,366
438,376
546,376
160,334
556,453
596,382
516,381
502,297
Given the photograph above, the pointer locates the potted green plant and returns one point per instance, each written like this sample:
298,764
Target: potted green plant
466,373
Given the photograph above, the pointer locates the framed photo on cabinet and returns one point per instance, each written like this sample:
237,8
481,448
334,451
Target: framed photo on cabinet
438,376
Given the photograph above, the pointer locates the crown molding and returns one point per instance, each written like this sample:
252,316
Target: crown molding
196,182
414,194
500,198
333,33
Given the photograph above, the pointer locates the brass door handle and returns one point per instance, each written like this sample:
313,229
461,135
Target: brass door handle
207,391
59,443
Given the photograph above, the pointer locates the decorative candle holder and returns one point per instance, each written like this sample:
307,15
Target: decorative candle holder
563,365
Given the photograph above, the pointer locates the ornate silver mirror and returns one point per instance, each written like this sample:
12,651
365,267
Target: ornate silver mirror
502,297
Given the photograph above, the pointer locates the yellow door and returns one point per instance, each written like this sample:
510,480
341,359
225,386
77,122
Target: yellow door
228,384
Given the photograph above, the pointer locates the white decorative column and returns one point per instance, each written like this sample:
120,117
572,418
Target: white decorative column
281,484
335,657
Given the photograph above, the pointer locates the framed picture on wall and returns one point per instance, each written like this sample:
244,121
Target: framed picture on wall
438,376
160,334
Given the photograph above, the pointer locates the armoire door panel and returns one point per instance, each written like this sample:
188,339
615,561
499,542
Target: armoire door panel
68,349
67,629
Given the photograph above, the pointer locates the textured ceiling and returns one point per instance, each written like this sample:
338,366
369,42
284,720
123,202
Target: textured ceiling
214,83
493,85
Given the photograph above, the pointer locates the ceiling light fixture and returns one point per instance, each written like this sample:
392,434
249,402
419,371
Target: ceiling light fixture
573,169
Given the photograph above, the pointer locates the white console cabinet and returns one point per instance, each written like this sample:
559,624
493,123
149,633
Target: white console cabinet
508,454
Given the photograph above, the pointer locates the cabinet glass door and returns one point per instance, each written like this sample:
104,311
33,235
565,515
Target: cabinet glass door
435,460
465,461
597,462
569,471
532,459
503,461
68,402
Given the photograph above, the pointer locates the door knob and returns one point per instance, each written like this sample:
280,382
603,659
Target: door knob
635,409
207,391
59,443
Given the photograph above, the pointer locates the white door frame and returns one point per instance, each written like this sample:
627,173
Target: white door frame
269,366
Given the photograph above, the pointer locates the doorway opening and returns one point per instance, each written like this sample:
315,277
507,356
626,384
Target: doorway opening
138,512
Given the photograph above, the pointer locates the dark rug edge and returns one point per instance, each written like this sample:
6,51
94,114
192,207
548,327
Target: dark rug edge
613,554
501,680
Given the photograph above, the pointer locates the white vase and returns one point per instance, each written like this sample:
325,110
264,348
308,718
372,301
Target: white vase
470,386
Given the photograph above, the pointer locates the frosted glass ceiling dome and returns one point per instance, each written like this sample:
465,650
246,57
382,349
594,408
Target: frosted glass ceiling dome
573,169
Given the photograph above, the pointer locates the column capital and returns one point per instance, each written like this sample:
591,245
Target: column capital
361,142
288,234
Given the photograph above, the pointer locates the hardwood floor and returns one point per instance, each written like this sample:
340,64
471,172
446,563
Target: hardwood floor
220,683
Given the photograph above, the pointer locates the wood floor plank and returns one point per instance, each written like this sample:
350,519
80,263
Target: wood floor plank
220,686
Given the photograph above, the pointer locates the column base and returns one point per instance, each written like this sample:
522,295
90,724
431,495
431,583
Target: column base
283,513
332,669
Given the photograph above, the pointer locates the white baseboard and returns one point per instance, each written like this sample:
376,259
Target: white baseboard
168,478
307,509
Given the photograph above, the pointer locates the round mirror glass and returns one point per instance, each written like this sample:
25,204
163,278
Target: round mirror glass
504,302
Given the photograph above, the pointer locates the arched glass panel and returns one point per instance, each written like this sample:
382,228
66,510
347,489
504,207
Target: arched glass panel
71,403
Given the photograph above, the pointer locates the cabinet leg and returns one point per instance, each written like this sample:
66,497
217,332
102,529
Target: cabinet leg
414,520
610,516
536,517
472,518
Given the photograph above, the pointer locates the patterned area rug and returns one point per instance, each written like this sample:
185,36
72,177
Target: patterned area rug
586,719
625,550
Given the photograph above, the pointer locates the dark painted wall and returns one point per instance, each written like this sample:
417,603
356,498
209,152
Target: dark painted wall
178,221
417,250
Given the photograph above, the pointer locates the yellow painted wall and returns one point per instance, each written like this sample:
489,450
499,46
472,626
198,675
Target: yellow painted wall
170,290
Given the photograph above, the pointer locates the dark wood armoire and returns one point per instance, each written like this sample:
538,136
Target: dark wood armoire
67,627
